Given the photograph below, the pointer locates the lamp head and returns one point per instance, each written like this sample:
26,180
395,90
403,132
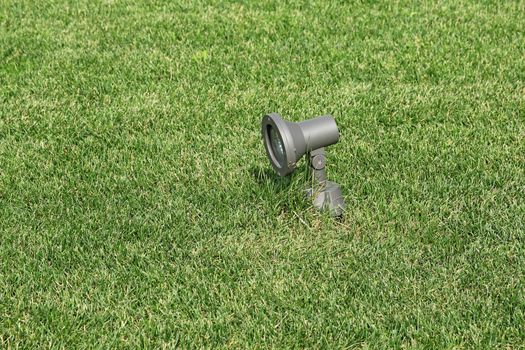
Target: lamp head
286,142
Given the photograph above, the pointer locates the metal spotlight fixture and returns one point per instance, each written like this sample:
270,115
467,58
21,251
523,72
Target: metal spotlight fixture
286,142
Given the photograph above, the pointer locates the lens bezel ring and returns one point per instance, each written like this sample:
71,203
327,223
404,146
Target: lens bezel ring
274,120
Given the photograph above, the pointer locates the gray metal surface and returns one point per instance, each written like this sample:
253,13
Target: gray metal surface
297,139
286,142
326,195
331,199
319,132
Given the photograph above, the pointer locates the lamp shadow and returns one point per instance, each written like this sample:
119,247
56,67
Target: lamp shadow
285,192
266,176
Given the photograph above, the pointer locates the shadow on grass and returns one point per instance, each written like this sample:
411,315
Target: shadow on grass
263,175
287,190
267,177
277,192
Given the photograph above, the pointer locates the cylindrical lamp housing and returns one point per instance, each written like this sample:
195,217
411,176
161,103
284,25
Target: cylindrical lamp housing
286,142
319,132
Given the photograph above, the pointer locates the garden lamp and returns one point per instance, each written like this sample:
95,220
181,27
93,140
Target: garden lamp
286,142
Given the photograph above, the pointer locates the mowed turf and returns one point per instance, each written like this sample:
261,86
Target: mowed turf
138,209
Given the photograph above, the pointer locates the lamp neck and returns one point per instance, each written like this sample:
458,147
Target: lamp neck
316,167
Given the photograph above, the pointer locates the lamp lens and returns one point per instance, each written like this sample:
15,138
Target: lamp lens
277,146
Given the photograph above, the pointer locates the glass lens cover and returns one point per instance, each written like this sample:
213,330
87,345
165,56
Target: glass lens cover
277,146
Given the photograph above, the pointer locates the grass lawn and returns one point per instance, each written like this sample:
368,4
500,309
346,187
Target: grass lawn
138,209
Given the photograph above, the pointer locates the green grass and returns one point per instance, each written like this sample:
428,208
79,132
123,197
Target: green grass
138,209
